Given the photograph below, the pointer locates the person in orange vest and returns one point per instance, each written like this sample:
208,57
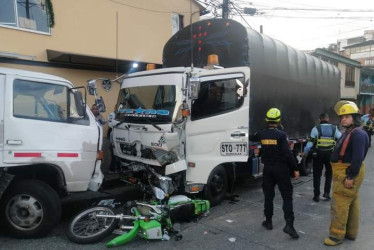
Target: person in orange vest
348,170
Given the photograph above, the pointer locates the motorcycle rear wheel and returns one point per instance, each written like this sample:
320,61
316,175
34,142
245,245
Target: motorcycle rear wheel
87,228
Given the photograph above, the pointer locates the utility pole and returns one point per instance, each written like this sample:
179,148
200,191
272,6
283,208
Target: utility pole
225,9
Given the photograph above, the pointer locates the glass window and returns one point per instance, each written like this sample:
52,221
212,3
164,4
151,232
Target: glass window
217,97
7,13
145,103
35,100
176,22
25,14
350,77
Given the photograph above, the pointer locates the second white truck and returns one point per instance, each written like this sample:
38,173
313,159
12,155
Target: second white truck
50,145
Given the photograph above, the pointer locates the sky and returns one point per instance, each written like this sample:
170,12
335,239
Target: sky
305,25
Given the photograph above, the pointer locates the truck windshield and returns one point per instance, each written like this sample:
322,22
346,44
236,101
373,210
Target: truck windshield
145,103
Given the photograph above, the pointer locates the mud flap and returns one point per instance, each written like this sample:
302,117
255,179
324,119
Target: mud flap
5,180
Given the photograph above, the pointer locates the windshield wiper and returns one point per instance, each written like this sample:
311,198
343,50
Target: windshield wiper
153,124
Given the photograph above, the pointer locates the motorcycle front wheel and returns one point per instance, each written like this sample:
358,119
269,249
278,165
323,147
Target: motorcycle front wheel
86,227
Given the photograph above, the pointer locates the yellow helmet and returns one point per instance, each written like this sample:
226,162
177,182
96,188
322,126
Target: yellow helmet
273,115
346,108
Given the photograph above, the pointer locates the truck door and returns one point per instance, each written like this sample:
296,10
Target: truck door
43,125
217,130
2,103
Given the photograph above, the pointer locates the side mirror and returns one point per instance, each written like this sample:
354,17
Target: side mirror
91,87
77,102
80,103
194,87
240,89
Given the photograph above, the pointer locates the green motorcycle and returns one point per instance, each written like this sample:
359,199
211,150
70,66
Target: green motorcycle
152,220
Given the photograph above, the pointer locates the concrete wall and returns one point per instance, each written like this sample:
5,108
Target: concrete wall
349,92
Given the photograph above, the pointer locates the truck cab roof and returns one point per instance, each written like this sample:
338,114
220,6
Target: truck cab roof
33,74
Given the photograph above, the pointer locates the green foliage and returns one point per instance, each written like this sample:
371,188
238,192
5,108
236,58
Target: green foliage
50,13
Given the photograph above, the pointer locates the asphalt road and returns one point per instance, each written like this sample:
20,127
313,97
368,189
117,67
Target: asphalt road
238,225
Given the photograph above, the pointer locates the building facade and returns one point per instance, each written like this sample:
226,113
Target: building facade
361,49
90,38
350,73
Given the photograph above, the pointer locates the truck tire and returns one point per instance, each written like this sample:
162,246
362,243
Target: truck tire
215,189
30,209
306,166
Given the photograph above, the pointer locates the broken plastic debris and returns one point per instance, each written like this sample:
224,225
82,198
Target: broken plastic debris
301,232
229,221
232,239
205,232
165,237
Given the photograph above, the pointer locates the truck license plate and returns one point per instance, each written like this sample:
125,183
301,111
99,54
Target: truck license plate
234,148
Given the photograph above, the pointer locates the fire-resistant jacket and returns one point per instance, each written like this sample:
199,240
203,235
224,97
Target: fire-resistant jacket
355,153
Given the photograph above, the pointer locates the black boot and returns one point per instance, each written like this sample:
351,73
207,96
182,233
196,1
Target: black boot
289,229
268,224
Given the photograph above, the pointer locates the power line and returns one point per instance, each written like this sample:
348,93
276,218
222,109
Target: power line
233,5
320,9
150,10
317,17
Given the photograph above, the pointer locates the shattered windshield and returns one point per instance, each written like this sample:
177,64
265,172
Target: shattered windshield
145,103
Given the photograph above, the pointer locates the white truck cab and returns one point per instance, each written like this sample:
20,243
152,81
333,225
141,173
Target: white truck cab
195,149
49,146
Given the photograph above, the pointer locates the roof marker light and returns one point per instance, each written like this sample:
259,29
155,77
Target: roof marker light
151,66
213,59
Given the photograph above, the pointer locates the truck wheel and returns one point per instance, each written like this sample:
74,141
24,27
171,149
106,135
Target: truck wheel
306,166
215,189
30,209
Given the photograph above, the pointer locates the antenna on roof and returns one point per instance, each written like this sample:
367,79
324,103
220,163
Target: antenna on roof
191,34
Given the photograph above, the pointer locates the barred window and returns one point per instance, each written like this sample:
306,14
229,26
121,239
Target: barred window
350,77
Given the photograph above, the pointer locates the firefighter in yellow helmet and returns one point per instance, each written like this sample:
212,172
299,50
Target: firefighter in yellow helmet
278,162
348,170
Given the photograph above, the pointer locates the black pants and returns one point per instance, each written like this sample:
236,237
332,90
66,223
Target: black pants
322,159
278,174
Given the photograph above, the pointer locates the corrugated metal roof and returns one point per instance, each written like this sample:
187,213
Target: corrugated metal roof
336,57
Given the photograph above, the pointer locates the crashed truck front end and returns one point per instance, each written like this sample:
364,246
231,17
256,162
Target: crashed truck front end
148,128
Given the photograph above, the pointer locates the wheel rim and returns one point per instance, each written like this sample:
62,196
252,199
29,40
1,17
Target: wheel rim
24,212
217,184
87,224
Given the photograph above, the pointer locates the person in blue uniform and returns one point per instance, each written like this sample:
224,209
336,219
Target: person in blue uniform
348,170
278,163
323,140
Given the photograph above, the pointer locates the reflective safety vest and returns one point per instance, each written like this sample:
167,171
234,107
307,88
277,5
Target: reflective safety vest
368,126
326,137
